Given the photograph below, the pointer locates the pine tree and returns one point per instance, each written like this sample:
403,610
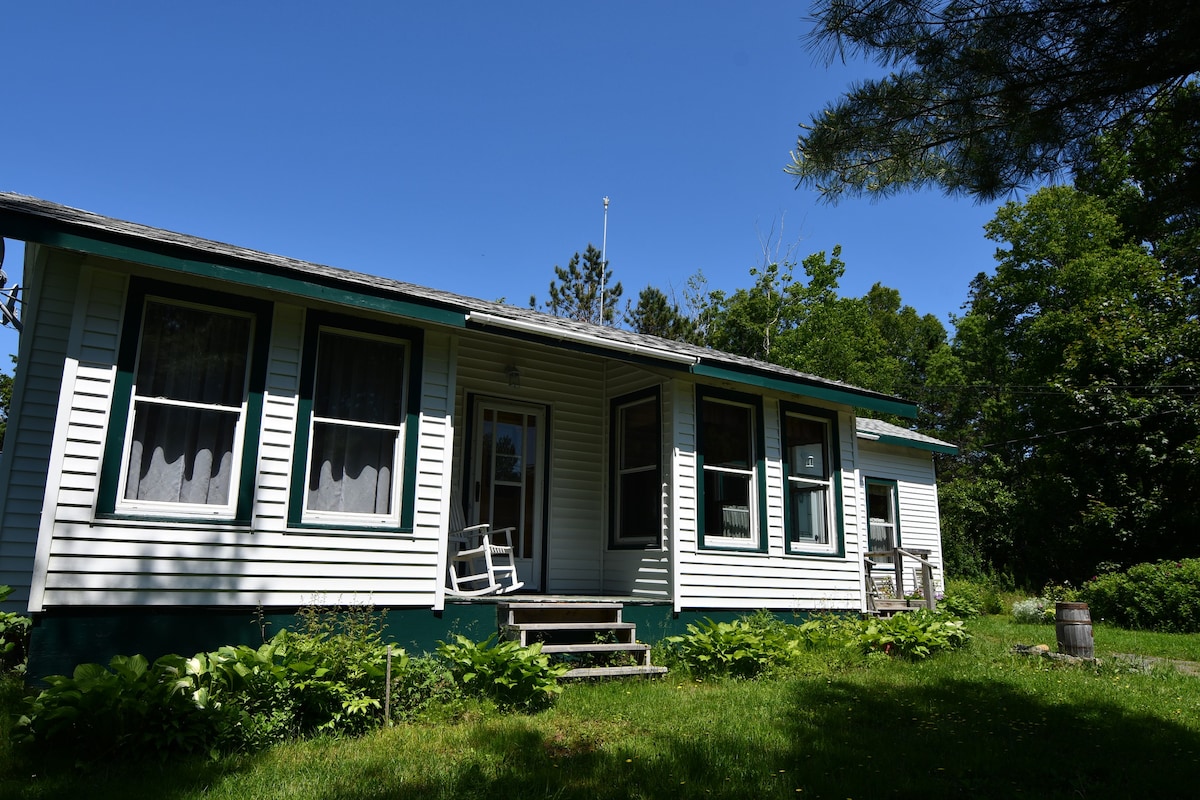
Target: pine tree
576,294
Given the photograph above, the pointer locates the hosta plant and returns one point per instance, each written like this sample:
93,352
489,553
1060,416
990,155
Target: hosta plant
504,671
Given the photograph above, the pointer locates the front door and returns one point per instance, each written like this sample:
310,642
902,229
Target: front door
508,477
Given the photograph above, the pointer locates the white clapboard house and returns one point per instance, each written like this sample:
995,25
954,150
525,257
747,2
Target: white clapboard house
203,438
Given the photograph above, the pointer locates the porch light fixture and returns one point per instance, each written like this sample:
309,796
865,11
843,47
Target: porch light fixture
514,376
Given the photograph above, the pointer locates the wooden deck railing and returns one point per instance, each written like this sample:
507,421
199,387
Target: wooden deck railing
897,555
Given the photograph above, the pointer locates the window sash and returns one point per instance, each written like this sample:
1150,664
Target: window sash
730,474
637,483
185,429
356,431
809,483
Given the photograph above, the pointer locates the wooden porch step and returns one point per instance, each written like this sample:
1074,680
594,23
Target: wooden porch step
574,626
522,613
614,672
588,633
561,604
597,647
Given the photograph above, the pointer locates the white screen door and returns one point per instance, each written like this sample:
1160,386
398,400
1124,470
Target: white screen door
508,478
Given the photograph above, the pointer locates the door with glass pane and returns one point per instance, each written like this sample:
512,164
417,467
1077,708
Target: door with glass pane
508,478
881,518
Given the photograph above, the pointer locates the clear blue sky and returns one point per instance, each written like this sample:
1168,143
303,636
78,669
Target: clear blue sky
460,145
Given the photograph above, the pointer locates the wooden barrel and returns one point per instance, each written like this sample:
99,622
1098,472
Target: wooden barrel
1073,625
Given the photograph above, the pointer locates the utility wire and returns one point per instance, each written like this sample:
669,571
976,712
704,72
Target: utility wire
1080,429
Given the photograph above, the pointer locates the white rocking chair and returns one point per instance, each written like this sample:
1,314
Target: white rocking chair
481,560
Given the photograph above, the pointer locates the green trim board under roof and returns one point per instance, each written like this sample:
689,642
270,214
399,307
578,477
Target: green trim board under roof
43,222
876,430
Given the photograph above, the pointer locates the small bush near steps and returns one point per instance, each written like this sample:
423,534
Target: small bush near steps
505,672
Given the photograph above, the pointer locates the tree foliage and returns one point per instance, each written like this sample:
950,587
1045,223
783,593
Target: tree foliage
873,341
6,387
581,288
987,96
657,315
1079,362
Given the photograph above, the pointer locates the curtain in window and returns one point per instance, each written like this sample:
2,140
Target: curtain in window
352,469
357,414
181,455
188,394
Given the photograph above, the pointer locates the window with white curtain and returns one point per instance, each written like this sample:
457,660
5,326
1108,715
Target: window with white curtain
356,429
187,409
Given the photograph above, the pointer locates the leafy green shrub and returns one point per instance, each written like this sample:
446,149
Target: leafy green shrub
339,658
1059,593
829,631
511,675
914,635
984,593
744,648
14,636
128,707
423,686
961,604
1162,596
1033,611
328,676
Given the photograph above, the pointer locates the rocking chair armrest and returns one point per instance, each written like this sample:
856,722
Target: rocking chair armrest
505,533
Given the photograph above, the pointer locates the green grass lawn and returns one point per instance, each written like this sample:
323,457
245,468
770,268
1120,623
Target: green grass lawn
980,722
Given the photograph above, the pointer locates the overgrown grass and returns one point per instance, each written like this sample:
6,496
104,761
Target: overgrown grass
980,722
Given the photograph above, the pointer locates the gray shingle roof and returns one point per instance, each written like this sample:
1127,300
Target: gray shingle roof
17,212
877,429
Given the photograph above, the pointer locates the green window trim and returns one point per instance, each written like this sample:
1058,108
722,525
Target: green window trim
653,395
758,509
414,339
794,386
836,548
118,426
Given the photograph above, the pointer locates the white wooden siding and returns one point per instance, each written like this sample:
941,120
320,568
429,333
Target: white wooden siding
52,278
572,387
638,573
125,562
916,496
280,407
87,561
732,579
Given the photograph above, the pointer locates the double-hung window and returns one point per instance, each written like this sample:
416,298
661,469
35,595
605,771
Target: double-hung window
354,433
810,466
730,441
189,389
636,470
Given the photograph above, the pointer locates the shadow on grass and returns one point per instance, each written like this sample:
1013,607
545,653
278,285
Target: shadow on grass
837,739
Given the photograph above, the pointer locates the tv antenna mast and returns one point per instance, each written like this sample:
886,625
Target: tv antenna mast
603,260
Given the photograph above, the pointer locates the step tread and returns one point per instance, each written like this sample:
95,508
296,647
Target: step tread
596,647
572,626
612,672
526,606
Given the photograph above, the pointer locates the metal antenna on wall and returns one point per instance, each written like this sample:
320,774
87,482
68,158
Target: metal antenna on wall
603,260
